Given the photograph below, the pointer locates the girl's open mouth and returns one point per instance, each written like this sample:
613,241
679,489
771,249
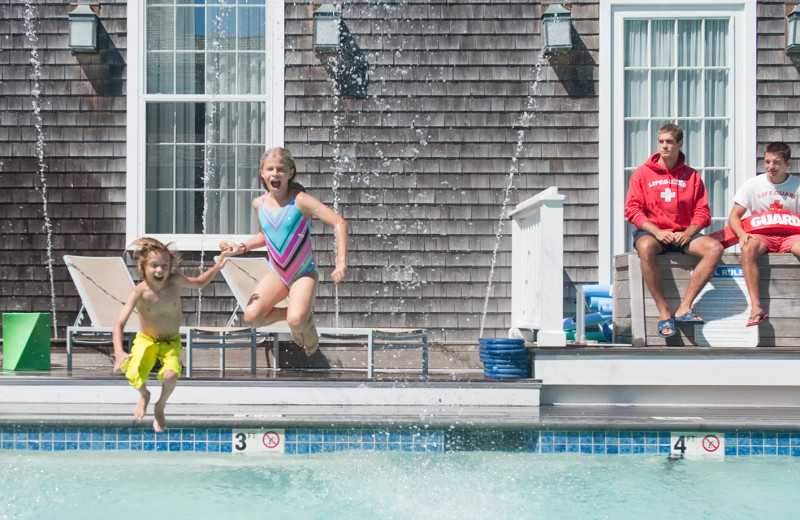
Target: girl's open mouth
275,184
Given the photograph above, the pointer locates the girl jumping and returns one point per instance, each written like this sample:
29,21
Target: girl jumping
285,213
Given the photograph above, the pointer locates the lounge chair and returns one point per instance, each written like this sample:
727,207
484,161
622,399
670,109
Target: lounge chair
104,284
242,275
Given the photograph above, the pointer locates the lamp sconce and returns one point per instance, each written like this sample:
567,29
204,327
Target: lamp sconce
83,28
339,53
327,29
556,29
793,30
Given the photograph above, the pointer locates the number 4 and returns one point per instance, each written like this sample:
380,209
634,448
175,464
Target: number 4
680,445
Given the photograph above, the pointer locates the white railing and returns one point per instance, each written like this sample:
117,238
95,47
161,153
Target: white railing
537,265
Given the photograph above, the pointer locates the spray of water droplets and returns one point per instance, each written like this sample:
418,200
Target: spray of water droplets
30,15
526,120
212,137
339,163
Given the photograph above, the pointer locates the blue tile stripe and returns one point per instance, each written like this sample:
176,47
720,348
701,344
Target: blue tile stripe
134,439
302,441
305,441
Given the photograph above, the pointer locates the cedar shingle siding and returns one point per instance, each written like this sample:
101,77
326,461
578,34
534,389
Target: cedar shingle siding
82,102
424,159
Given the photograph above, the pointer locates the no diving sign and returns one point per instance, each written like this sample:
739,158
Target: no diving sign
698,445
258,441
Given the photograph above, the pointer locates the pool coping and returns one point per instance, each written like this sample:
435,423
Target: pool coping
358,404
31,400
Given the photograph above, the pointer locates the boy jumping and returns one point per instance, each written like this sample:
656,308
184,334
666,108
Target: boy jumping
157,301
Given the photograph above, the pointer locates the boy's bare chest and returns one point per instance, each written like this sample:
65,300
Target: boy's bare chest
163,303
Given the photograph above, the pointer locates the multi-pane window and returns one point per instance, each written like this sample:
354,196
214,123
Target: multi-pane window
206,91
678,70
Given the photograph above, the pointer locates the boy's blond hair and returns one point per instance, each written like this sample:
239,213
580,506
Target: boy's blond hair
145,245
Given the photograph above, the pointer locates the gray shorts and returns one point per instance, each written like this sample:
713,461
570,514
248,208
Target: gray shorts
665,248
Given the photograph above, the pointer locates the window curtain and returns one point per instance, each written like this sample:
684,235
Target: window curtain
203,148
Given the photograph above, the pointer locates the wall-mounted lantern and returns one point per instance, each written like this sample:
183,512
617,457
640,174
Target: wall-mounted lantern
82,28
339,53
793,30
556,29
327,28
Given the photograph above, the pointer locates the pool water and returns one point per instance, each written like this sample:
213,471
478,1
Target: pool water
393,485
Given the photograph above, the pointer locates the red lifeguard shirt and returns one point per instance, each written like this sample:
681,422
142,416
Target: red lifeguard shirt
671,199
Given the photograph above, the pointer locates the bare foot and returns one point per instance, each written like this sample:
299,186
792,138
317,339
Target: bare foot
312,340
160,422
298,339
141,406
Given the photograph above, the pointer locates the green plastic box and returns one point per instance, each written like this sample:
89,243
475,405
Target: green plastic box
26,341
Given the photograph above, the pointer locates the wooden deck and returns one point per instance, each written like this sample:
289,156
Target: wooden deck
635,315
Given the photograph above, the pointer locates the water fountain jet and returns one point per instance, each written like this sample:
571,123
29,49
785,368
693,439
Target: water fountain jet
36,64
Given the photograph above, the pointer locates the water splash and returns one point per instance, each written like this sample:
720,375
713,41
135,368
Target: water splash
212,136
404,275
30,14
339,162
525,120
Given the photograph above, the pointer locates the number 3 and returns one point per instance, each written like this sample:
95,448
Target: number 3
242,444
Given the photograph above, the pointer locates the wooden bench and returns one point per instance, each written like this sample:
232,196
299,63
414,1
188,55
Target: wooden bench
635,316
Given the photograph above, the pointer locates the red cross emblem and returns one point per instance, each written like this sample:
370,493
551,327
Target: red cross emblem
776,206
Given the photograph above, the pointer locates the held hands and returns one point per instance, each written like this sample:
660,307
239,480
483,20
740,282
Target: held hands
665,237
223,258
679,238
232,249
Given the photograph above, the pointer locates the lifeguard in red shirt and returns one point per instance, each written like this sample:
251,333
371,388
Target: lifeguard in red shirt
668,204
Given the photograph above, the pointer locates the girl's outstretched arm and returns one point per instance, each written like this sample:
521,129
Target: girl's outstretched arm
254,242
311,207
251,243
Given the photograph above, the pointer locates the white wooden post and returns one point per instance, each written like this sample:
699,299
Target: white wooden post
537,265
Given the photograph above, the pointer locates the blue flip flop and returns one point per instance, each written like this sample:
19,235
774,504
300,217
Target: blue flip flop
689,317
666,324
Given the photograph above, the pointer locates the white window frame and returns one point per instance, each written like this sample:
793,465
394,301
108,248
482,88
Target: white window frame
135,189
611,240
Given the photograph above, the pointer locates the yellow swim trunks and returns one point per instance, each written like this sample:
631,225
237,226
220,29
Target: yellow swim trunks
145,351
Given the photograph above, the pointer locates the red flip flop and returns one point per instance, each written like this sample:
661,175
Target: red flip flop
758,319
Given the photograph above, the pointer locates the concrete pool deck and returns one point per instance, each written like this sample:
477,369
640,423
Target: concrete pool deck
92,395
48,400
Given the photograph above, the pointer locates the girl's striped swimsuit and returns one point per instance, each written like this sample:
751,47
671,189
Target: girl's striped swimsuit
288,236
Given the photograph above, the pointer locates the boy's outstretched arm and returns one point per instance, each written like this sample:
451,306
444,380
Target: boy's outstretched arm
116,334
198,282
